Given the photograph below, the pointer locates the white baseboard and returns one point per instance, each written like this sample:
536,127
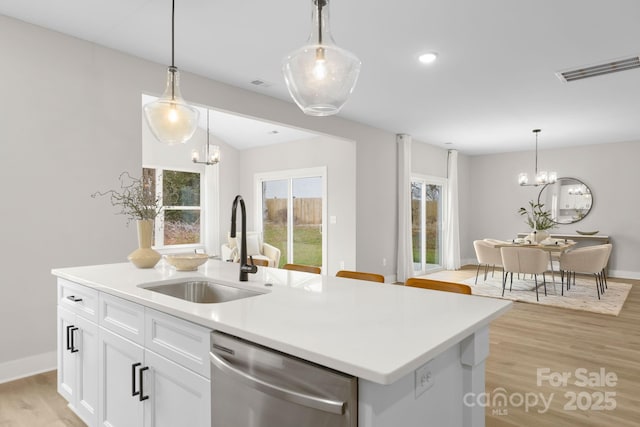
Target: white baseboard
31,365
620,274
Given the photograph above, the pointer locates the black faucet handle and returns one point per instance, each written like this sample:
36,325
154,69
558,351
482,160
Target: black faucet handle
249,268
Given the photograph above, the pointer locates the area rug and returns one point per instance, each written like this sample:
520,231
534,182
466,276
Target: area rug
582,296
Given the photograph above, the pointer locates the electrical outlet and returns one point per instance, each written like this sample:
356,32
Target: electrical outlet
384,262
424,378
341,265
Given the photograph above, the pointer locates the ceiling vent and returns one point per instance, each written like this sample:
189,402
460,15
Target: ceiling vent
600,69
262,83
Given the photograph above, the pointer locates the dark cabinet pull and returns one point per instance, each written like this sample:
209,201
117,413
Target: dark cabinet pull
133,379
73,347
141,381
74,298
68,337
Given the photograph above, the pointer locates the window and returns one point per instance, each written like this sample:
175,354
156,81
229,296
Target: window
292,206
180,193
427,210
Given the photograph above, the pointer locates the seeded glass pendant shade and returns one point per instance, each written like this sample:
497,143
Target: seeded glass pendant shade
320,76
170,118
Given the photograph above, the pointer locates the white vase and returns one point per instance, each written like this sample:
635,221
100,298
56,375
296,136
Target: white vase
537,236
144,256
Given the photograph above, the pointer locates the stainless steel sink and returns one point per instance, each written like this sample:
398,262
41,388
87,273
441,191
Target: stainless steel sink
200,291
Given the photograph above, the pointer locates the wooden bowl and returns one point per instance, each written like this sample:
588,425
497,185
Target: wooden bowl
187,262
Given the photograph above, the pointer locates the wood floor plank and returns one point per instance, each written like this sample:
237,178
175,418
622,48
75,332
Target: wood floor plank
34,402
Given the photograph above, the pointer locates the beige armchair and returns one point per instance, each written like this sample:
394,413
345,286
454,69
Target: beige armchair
590,259
524,260
487,256
256,249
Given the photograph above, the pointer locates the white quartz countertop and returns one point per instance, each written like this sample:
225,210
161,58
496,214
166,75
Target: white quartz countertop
379,332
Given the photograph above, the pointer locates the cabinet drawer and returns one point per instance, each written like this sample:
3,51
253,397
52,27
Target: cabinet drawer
178,340
122,317
78,299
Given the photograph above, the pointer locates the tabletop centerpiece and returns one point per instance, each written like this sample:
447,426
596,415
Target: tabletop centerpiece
539,220
136,200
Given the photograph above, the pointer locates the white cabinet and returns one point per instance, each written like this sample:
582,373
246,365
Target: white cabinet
78,357
178,396
120,363
148,368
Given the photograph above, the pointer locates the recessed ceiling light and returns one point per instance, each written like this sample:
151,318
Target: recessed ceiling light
273,132
448,143
428,58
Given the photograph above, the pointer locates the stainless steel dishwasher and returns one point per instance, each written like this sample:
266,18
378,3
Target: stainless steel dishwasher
253,386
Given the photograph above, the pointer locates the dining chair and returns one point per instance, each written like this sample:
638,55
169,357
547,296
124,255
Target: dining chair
258,261
303,268
487,256
588,260
438,285
524,260
360,275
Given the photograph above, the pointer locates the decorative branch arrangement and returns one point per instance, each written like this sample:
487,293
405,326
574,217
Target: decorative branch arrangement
136,198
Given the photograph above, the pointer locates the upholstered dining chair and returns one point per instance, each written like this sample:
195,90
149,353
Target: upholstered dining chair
361,275
588,260
524,260
303,268
438,285
487,256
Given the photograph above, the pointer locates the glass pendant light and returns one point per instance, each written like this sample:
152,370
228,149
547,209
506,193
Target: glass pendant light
170,118
320,76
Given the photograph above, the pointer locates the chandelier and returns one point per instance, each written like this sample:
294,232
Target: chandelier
211,152
541,177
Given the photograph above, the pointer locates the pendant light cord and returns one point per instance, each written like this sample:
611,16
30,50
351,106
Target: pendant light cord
536,131
320,4
173,14
207,148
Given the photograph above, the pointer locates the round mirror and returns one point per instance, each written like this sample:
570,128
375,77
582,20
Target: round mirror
568,199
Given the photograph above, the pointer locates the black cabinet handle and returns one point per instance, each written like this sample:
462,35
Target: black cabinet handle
73,347
68,337
74,298
133,379
141,380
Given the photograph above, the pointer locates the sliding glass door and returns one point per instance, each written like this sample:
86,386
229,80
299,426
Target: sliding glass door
292,206
427,214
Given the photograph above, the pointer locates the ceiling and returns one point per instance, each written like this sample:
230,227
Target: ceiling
493,83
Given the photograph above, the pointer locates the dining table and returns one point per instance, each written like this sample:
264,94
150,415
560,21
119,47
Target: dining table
555,246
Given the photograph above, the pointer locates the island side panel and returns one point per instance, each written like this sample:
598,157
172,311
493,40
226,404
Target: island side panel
456,373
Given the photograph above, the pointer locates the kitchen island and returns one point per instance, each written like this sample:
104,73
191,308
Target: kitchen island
416,353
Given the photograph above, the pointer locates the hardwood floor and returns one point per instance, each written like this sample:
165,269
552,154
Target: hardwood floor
532,337
34,402
528,338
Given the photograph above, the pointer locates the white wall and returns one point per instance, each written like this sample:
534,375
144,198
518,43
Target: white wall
72,124
339,157
610,170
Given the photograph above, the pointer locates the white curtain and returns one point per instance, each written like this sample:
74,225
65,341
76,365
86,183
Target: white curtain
405,254
451,254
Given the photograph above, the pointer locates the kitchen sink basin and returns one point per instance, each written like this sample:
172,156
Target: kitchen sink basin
200,291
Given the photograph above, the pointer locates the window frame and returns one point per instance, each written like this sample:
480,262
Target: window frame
159,223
